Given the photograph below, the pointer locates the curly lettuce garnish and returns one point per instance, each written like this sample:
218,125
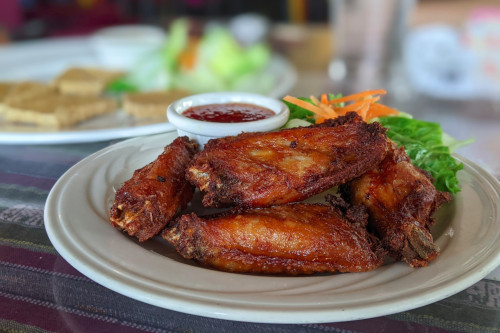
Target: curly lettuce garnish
428,147
426,144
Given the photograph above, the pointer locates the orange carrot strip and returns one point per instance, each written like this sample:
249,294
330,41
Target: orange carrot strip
356,106
357,96
380,110
349,108
363,110
324,99
306,105
187,58
314,100
327,108
320,120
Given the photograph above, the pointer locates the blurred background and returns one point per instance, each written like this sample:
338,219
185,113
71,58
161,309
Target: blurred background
447,46
438,59
27,19
453,43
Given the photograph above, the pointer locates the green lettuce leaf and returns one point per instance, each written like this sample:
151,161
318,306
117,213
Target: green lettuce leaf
428,147
222,64
297,112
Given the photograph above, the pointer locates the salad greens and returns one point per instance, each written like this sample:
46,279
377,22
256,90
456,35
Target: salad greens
297,112
426,144
428,147
220,64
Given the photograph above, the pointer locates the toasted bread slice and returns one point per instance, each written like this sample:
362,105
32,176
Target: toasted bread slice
151,104
85,81
28,90
57,111
23,91
5,87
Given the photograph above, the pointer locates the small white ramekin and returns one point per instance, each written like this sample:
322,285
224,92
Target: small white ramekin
202,131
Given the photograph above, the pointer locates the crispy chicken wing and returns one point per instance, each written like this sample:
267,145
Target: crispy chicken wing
288,239
401,200
155,193
265,169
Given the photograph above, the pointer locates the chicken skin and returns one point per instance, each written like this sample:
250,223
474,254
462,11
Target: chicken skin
401,200
264,169
156,193
289,239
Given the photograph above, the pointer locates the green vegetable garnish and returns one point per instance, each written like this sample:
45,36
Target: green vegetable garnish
219,64
176,43
428,147
296,112
223,65
121,85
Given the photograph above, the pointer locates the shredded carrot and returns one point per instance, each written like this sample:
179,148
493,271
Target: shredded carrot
356,106
324,99
380,110
329,110
306,105
363,103
314,100
187,58
325,107
357,96
363,110
320,120
349,108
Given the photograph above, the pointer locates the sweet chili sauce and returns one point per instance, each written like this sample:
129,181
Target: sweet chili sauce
228,113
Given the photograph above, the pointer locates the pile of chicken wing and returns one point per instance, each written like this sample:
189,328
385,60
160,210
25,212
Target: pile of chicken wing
382,208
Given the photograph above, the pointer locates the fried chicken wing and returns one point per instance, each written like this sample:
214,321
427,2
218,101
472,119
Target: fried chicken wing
156,193
401,200
289,239
265,169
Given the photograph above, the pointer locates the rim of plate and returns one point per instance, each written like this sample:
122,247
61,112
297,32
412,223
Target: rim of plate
277,299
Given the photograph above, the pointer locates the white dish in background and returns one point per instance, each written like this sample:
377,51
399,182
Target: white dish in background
115,125
202,131
76,220
42,60
439,63
122,46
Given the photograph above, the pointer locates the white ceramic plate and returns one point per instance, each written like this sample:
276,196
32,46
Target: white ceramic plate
115,125
76,220
43,60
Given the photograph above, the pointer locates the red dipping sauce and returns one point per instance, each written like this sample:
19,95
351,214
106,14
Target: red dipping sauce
228,113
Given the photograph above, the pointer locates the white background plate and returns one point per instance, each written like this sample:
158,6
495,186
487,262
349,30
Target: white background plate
43,60
76,220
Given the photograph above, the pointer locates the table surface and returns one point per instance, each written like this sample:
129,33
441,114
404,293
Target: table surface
40,291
